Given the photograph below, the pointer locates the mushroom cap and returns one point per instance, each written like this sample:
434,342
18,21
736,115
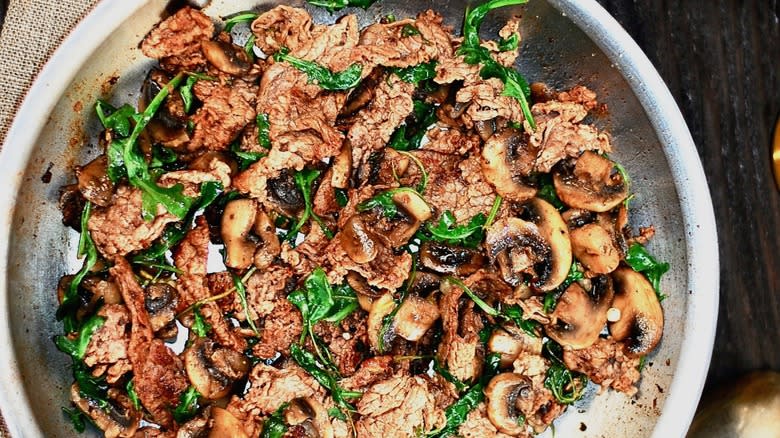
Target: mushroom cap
593,246
497,165
226,57
358,241
212,370
117,419
590,184
94,183
580,315
446,259
414,317
641,322
380,308
225,424
501,395
237,222
539,246
309,413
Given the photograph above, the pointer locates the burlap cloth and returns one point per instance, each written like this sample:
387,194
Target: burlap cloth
31,31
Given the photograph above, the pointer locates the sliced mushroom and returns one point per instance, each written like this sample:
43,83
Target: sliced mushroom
499,167
538,247
360,243
284,194
593,246
213,370
168,127
270,247
310,416
103,291
116,419
447,259
580,314
161,301
71,204
591,183
381,307
502,394
237,222
225,424
342,167
94,182
641,322
424,283
412,205
227,58
212,160
509,341
414,317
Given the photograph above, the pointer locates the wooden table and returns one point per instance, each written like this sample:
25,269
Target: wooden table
721,61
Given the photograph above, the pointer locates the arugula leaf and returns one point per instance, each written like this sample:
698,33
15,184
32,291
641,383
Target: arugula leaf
409,30
548,193
117,120
423,184
342,198
94,388
86,249
304,180
188,405
642,363
274,426
444,372
319,301
245,158
477,300
567,386
448,231
514,313
344,303
172,198
416,73
77,418
640,260
511,43
337,5
326,79
457,412
199,325
241,291
263,129
514,84
175,232
240,17
308,362
409,135
249,47
132,395
77,347
186,93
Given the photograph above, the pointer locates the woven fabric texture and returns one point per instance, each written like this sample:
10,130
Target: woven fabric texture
31,31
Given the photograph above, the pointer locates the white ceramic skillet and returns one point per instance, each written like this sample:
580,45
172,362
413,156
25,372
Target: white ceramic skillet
565,42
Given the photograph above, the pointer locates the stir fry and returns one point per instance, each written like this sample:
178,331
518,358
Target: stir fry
328,231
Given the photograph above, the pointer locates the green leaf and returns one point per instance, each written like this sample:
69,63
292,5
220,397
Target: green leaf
477,300
493,211
567,386
116,169
241,291
511,43
514,313
86,248
319,301
326,79
77,347
188,405
409,30
117,120
172,198
199,325
77,418
342,198
94,388
305,181
308,362
274,426
249,47
337,5
416,73
640,260
319,295
263,130
241,17
245,158
344,303
132,395
409,135
447,231
186,93
444,372
514,84
384,202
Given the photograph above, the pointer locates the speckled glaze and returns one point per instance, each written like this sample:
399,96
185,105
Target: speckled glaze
565,42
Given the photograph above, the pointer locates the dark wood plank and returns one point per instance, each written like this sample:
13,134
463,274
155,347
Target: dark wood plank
720,59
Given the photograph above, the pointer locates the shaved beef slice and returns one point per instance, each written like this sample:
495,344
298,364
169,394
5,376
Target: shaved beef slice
386,271
282,26
606,364
176,40
539,406
120,229
460,350
191,257
463,191
478,425
398,406
107,348
226,111
159,376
